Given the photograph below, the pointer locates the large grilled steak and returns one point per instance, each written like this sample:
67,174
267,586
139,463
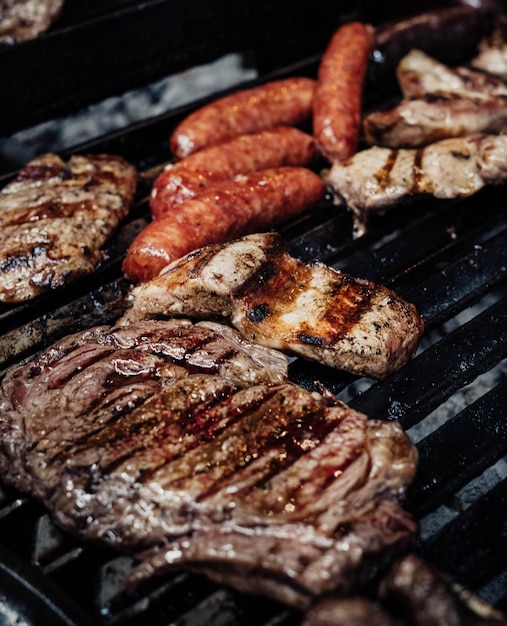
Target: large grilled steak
55,219
186,446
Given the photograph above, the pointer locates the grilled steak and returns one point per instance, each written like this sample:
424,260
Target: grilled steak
26,19
55,218
377,178
187,447
440,102
273,299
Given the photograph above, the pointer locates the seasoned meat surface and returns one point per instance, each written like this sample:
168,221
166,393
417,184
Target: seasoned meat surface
377,178
440,102
55,218
186,447
309,310
97,376
26,19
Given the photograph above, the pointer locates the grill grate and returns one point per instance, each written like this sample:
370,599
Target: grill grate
449,258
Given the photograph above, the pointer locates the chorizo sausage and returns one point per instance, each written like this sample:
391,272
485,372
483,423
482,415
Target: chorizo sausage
338,98
256,201
180,181
281,102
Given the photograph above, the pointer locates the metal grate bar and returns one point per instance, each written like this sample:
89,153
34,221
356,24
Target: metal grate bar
448,461
440,370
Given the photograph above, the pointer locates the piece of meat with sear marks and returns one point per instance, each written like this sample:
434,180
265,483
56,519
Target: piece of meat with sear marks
439,102
55,219
188,447
310,310
377,179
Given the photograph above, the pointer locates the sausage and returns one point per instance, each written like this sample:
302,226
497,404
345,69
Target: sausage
180,181
337,103
253,202
281,102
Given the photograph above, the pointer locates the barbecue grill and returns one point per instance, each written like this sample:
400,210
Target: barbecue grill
447,257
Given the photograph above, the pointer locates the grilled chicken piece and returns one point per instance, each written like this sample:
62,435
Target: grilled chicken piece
310,310
492,55
21,20
375,179
420,74
55,218
440,102
184,445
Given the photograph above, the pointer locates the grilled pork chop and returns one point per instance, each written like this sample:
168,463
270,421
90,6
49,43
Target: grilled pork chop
185,446
21,20
310,310
55,218
377,178
440,102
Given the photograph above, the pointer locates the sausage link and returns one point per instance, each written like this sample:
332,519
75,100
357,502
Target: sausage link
338,98
254,202
280,102
180,181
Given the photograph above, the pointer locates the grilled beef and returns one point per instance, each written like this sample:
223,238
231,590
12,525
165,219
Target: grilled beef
55,218
21,20
273,299
185,446
377,178
440,102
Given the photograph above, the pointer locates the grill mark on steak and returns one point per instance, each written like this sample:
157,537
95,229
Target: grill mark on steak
147,431
281,444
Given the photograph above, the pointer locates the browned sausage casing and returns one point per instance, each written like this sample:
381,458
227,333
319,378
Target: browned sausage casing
283,145
281,102
253,202
338,98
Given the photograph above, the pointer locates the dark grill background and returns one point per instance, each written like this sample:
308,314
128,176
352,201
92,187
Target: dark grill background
448,258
